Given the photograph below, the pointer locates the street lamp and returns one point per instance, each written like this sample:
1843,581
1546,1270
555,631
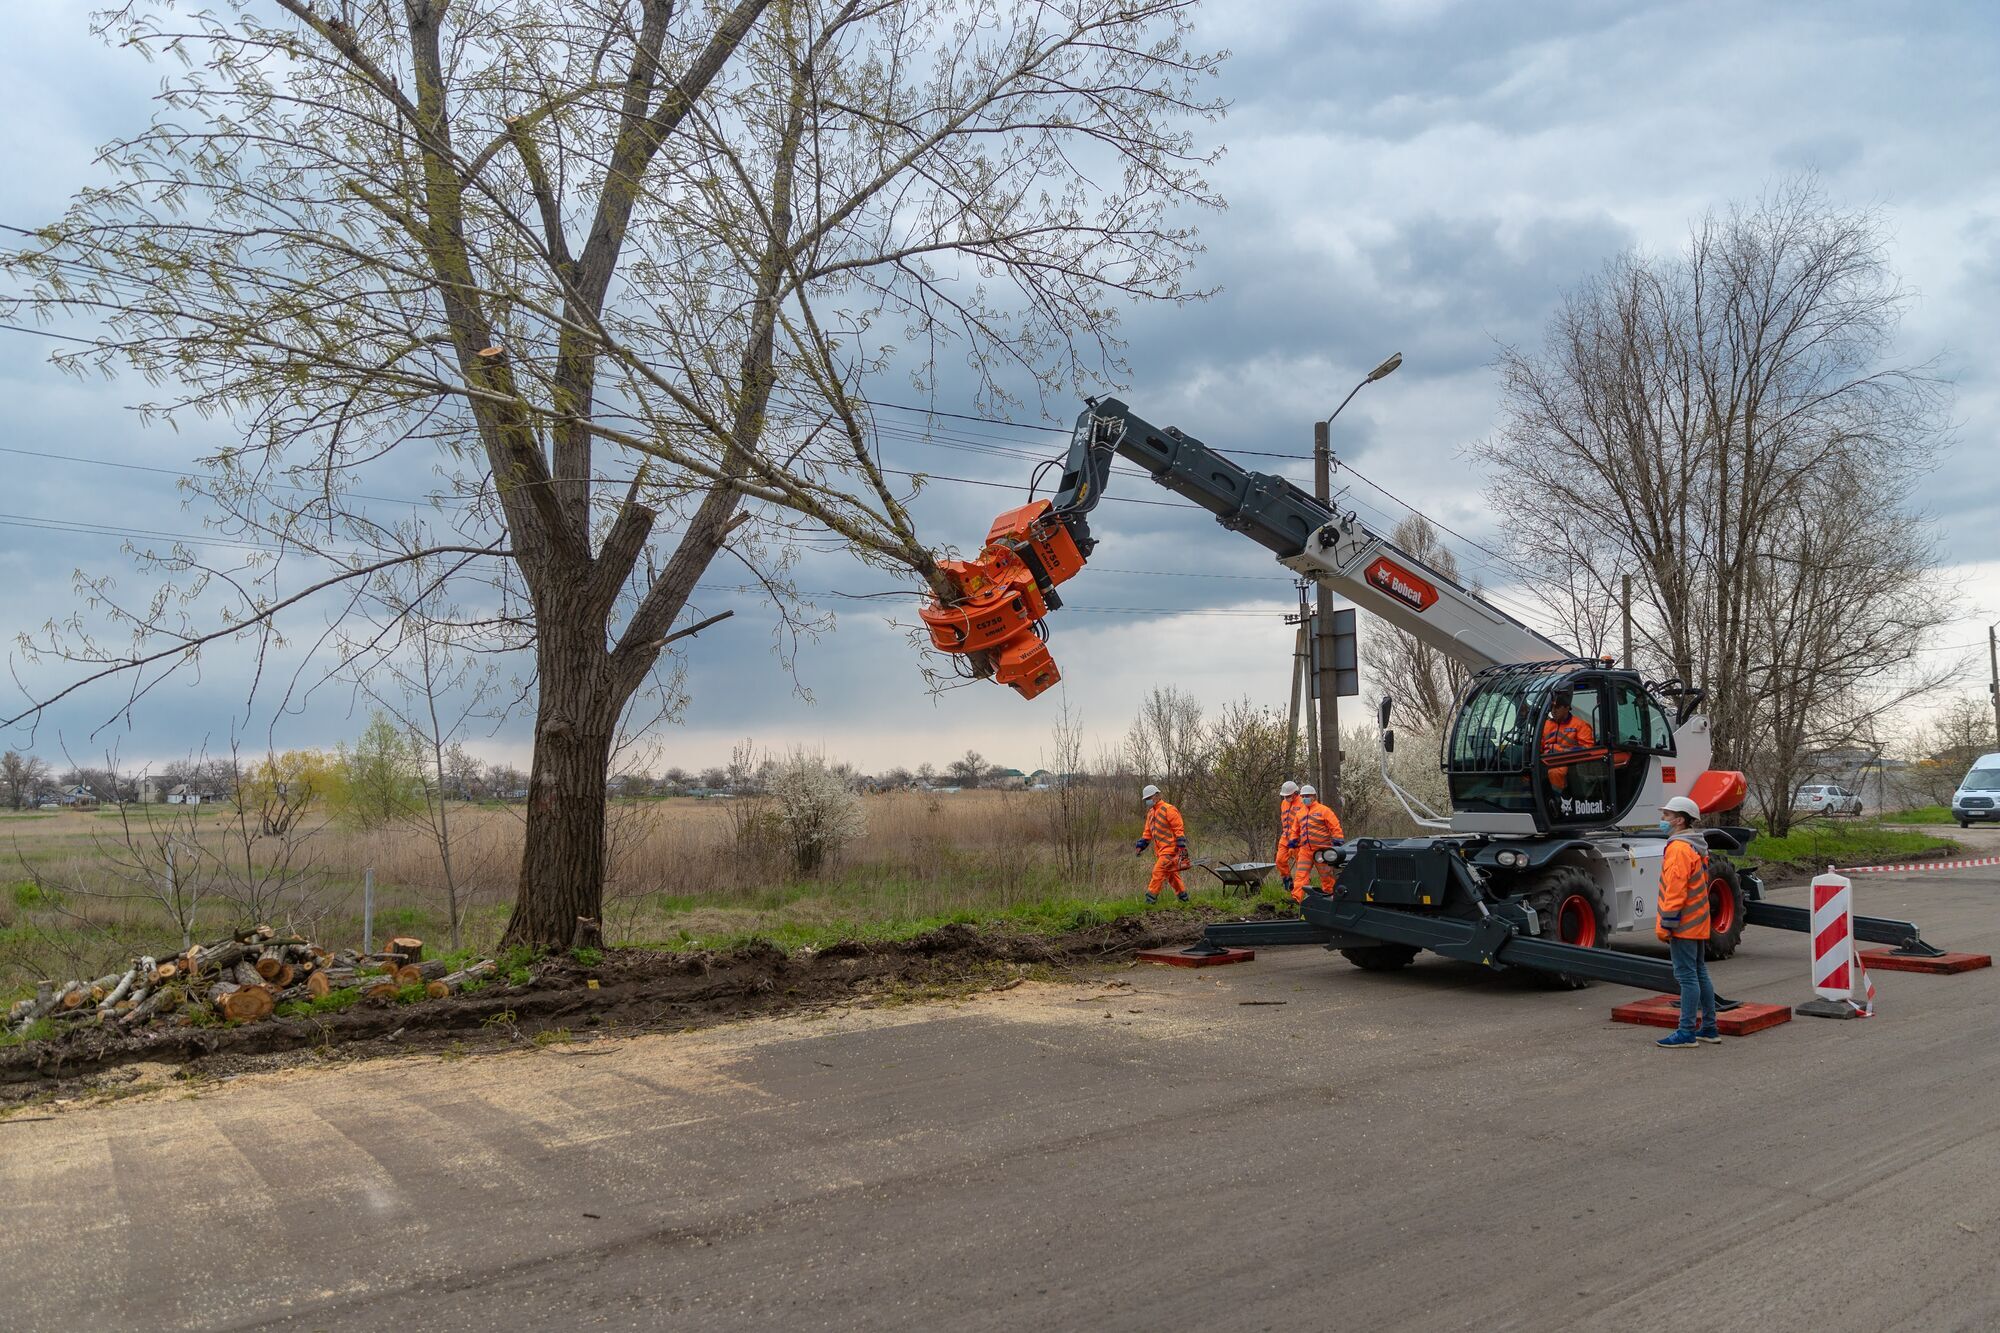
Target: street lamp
1993,664
1329,703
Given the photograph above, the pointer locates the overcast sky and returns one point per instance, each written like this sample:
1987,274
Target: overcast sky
1412,175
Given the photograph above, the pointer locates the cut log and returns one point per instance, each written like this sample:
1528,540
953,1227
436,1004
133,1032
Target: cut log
431,970
409,975
317,986
378,988
76,995
166,971
246,974
408,948
164,1000
477,972
285,976
46,998
269,965
247,1004
436,990
218,958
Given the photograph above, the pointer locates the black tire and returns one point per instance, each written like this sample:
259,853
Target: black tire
1381,957
1572,909
1728,909
1965,823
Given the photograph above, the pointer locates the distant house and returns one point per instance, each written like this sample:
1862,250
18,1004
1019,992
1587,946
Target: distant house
78,797
1007,779
152,791
1041,780
183,794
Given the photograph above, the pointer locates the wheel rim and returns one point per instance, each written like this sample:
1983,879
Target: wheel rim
1721,909
1576,921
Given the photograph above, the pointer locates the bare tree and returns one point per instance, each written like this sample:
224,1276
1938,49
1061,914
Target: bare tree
1695,421
1238,794
1942,750
1167,743
620,263
1079,813
21,778
969,769
1425,681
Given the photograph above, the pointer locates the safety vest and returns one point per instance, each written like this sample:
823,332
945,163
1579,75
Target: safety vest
1163,828
1318,826
1565,740
1288,818
1684,889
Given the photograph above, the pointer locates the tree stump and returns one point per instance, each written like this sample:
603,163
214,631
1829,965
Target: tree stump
589,934
408,948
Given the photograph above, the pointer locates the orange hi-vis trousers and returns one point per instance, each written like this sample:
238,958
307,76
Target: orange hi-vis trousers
1166,871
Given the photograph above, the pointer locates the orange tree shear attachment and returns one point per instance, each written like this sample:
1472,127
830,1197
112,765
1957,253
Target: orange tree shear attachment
1002,595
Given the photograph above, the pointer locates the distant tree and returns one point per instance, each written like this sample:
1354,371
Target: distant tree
816,808
1237,794
715,779
21,778
1167,743
283,789
382,776
927,774
1943,749
969,769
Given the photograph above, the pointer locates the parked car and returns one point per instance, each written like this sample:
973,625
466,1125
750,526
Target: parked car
1978,795
1827,798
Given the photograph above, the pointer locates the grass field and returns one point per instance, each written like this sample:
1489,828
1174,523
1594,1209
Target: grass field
79,898
82,892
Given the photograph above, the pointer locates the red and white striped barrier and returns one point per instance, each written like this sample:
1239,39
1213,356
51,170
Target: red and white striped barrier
1837,974
1913,867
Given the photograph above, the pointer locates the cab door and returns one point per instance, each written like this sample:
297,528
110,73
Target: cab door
1637,730
1578,785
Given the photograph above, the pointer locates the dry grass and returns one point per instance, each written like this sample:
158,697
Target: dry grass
681,870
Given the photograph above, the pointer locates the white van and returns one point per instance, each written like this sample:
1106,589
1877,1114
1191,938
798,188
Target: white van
1978,795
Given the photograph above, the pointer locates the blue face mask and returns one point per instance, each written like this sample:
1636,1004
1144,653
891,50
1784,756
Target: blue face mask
1666,826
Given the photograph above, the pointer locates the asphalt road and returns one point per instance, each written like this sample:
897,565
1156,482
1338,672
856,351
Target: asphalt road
1283,1145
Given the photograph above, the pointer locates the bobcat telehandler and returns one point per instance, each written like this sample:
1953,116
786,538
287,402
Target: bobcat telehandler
1549,848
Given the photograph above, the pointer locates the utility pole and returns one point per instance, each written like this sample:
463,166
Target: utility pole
1625,607
1993,660
1326,677
1323,684
1299,649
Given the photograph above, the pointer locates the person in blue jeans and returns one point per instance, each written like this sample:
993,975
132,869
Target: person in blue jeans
1683,923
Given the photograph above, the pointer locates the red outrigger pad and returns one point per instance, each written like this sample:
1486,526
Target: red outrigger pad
1175,958
1663,1011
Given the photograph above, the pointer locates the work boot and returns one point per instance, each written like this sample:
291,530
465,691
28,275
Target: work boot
1180,897
1152,900
1677,1041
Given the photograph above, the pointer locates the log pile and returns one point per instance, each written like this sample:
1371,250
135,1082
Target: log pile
242,979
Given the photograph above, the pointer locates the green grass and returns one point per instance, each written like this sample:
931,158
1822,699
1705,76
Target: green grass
330,1003
1050,916
587,956
1923,814
1820,844
39,1030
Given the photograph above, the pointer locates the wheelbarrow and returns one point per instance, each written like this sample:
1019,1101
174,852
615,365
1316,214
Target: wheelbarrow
1245,877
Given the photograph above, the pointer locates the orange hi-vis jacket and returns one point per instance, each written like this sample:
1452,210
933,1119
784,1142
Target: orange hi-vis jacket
1683,890
1318,827
1288,826
1164,829
1565,738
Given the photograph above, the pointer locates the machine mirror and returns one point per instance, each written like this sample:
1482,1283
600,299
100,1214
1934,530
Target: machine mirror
1382,713
1388,740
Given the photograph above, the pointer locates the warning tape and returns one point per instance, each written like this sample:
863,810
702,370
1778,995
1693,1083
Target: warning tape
1913,867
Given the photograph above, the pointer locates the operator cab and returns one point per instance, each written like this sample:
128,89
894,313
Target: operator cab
1545,746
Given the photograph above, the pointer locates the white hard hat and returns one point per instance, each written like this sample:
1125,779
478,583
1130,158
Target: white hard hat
1150,792
1289,789
1309,790
1681,805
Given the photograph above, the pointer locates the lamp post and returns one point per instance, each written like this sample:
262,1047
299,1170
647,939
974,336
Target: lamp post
1329,701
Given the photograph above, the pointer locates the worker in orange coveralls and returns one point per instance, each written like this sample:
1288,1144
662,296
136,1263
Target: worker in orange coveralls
1167,836
1564,734
1318,828
1289,806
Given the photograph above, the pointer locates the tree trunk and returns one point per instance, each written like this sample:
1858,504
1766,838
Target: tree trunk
562,863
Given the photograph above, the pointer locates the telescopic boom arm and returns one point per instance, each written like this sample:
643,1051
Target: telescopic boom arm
1006,591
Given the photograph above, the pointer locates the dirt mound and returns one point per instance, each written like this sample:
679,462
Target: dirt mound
630,989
